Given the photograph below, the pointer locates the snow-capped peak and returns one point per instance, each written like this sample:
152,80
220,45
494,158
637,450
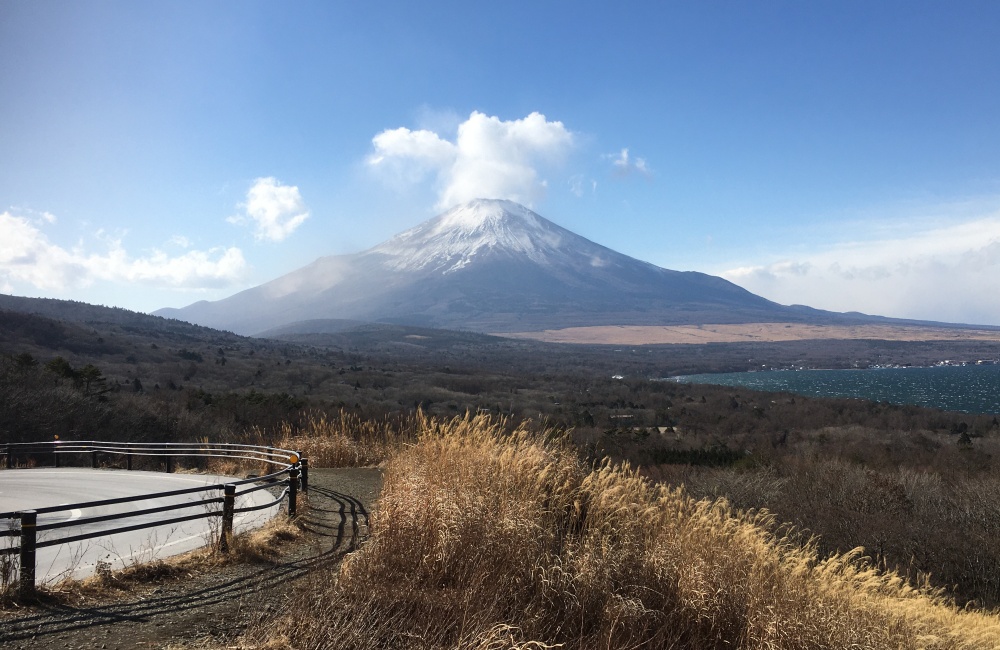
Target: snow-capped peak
486,214
451,240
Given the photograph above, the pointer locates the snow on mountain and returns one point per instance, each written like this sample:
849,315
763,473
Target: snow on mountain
487,265
481,227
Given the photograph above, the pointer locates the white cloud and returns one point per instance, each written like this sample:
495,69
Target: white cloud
626,165
489,157
576,185
946,273
275,210
28,257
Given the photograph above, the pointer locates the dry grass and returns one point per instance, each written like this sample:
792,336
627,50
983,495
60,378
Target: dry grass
486,539
8,565
260,545
108,584
340,440
347,440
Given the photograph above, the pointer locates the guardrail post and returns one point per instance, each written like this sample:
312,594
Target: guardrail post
170,460
26,588
293,490
128,456
55,455
228,506
304,464
93,459
10,459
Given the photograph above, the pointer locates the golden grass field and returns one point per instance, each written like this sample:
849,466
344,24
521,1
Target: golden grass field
750,333
489,539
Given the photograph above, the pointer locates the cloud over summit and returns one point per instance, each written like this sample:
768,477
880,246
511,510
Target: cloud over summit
489,158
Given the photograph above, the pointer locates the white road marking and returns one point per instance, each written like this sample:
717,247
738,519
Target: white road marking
73,514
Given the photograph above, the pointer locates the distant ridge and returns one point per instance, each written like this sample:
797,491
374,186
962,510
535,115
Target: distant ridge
492,266
75,311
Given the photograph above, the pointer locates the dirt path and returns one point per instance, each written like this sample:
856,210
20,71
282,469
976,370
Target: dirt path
211,608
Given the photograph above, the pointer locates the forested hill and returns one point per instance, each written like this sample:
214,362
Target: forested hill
81,312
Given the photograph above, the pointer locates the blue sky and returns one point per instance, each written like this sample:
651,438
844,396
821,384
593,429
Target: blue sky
844,155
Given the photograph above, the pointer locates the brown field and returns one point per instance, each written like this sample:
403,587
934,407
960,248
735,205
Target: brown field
750,333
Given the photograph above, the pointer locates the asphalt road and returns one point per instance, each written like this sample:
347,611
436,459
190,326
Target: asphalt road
25,489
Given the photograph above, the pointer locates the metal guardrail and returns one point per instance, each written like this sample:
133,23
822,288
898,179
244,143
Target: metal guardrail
291,471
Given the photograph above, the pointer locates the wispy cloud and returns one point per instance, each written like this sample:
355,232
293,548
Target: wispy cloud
624,165
274,210
28,257
947,273
489,157
577,185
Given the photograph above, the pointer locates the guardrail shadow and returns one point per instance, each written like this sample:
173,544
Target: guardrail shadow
279,462
351,511
256,583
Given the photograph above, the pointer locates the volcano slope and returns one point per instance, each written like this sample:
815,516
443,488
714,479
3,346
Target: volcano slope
493,266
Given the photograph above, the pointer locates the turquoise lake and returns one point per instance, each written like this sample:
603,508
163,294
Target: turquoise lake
972,389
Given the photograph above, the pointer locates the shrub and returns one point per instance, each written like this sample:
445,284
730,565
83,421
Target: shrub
348,440
487,539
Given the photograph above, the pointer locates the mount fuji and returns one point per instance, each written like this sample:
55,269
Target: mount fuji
489,266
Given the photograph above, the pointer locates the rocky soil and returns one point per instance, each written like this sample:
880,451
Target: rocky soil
213,608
